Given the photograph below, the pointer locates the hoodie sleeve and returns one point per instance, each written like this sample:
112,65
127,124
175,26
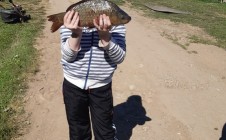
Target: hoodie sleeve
117,46
67,53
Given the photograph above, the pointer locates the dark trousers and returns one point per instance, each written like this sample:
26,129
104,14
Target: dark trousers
78,102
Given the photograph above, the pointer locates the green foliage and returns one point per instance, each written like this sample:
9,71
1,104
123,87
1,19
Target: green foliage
210,1
17,58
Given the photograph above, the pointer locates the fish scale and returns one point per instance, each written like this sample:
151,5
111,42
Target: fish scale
89,10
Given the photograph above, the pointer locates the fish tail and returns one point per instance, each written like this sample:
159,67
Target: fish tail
57,20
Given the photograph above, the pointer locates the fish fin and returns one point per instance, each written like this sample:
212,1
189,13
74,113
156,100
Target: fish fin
73,5
57,20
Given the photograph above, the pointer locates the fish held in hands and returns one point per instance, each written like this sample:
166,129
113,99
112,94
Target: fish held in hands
89,10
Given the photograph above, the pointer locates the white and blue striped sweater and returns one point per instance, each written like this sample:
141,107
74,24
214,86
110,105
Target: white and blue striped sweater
92,66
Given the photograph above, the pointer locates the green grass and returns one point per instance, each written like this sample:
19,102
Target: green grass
118,2
17,59
210,15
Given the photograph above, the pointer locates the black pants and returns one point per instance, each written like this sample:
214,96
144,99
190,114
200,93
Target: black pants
78,102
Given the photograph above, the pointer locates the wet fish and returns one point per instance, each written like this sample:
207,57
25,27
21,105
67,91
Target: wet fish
89,10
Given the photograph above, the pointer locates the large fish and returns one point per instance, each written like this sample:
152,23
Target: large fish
89,10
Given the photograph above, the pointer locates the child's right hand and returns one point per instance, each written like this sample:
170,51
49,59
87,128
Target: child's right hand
71,21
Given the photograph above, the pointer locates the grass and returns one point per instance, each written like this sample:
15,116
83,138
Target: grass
210,15
17,59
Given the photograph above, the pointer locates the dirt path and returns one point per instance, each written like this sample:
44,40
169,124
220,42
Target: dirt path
182,92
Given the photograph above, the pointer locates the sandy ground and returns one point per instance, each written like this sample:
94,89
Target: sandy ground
161,91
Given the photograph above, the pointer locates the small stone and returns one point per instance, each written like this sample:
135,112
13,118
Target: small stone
141,65
131,87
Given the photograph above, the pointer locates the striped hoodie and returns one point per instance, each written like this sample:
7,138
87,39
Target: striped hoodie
92,66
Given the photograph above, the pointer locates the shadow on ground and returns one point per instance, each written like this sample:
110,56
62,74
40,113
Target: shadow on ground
223,136
129,114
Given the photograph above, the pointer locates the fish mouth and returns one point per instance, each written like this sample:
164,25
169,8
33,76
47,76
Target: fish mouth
128,19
